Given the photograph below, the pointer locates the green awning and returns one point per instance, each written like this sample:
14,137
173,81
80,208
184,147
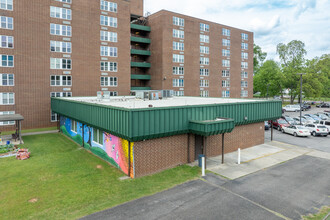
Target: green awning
212,127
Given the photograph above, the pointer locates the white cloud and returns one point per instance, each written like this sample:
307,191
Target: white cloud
272,21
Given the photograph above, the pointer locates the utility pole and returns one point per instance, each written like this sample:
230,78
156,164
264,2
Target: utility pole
301,74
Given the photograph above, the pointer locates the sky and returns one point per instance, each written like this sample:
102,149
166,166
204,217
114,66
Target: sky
272,21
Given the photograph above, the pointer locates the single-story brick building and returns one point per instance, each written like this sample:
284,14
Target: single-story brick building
142,137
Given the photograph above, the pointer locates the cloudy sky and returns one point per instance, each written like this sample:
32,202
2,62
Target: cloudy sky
272,21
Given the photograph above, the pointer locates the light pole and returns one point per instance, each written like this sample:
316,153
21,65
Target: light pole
267,89
301,74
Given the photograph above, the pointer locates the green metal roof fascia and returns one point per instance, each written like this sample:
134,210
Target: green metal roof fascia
140,27
208,128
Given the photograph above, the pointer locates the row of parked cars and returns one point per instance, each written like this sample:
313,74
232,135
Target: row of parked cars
304,107
311,124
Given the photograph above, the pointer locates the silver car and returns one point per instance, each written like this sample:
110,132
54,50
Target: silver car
296,130
317,130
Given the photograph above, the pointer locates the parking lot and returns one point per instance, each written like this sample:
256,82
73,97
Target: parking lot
318,143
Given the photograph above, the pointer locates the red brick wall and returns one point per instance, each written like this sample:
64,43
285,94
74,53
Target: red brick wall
155,155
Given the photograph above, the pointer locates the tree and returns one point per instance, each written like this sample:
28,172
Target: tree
292,58
258,57
268,74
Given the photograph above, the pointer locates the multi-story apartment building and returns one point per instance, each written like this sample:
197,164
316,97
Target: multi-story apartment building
195,57
57,48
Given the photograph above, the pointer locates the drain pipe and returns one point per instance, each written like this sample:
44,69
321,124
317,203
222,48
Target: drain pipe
239,156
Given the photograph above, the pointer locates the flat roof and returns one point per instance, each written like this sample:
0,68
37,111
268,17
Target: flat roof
12,117
131,102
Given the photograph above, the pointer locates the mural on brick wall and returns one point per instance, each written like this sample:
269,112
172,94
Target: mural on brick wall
113,149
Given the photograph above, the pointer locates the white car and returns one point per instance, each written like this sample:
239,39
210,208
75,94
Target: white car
296,130
291,108
303,121
325,123
317,129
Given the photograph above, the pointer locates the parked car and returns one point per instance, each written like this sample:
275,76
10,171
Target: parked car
291,108
317,129
313,117
296,130
323,105
306,107
280,123
325,123
310,102
322,116
303,121
309,119
289,119
266,125
326,113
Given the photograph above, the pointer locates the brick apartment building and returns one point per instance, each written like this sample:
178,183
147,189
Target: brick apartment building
61,48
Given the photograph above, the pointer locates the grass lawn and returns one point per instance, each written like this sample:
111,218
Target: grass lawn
320,215
67,184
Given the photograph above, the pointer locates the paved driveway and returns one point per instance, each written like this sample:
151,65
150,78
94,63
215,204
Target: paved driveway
285,191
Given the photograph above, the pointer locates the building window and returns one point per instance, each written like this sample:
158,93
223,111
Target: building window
225,83
53,117
60,94
244,84
245,46
7,98
178,58
204,61
244,55
244,74
59,46
178,34
3,123
178,82
178,93
204,38
204,83
6,79
225,94
97,136
178,70
204,72
109,51
7,41
178,21
108,6
62,13
7,22
7,61
244,93
226,63
60,80
225,73
113,93
225,53
61,30
204,93
244,36
109,66
73,126
204,27
178,46
225,42
109,21
244,65
60,64
65,1
204,49
6,5
225,32
109,81
109,36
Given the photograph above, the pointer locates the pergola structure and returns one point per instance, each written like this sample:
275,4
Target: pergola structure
17,118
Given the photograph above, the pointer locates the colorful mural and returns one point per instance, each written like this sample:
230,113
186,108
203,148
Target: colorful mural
113,149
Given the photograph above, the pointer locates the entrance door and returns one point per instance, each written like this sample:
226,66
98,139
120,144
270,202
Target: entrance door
198,146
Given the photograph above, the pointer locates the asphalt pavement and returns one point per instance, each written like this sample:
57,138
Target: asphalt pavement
285,191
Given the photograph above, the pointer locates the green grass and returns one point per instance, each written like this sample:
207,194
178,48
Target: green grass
320,215
65,180
30,130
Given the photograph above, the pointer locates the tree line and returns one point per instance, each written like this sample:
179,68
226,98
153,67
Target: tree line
276,77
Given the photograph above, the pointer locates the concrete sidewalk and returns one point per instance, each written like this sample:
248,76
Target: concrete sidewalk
257,158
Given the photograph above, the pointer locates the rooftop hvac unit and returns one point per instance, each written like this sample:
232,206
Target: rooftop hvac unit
99,95
168,93
155,95
106,95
